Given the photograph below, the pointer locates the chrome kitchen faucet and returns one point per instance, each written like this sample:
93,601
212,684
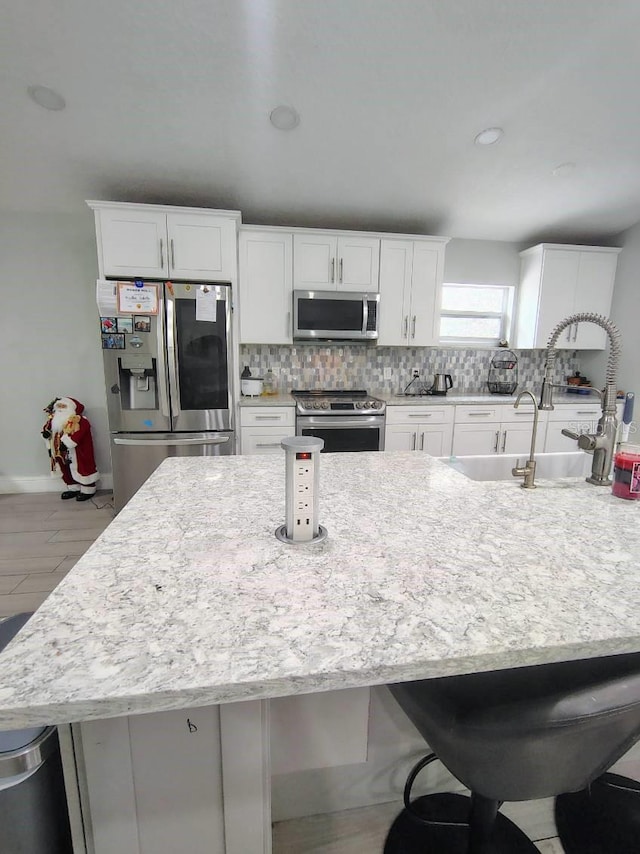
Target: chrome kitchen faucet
601,443
528,470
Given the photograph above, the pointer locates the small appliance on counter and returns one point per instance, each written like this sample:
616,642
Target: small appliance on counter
418,388
250,386
503,373
441,384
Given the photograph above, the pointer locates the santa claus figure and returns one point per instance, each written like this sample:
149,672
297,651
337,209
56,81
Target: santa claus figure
67,436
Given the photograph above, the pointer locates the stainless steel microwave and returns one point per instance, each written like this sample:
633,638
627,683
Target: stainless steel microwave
335,316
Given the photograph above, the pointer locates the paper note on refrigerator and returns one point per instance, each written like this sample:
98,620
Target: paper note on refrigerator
106,297
206,304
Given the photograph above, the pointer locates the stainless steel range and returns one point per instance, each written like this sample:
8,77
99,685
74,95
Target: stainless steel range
347,419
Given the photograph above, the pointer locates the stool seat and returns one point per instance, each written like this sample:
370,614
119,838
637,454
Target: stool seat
530,732
513,735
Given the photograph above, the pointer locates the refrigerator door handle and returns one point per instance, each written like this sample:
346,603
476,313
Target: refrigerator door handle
163,393
173,442
171,355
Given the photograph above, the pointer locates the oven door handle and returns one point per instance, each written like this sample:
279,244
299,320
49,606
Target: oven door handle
328,421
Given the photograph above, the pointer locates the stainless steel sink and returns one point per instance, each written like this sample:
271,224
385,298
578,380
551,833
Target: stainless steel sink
498,467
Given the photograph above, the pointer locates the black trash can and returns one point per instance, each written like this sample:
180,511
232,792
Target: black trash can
33,805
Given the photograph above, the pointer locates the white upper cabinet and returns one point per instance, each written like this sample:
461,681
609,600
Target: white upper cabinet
557,281
133,243
150,241
410,291
266,275
331,262
201,246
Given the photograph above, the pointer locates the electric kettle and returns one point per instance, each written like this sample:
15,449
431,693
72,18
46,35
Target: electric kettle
441,384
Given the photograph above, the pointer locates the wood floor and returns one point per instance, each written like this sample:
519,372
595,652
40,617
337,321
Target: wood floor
359,831
41,538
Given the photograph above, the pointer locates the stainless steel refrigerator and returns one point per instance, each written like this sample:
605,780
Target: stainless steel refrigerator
168,381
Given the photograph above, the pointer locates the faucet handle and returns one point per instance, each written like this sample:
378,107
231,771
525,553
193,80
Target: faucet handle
571,434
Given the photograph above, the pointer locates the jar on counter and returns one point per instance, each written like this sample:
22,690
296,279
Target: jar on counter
626,475
269,385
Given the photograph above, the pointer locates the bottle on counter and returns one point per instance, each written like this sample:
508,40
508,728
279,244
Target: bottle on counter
269,385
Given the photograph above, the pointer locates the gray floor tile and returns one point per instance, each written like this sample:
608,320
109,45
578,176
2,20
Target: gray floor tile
26,522
71,536
17,603
78,547
8,583
67,564
22,538
43,582
19,566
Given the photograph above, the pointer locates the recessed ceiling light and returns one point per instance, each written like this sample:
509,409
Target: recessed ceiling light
563,169
284,118
46,98
489,136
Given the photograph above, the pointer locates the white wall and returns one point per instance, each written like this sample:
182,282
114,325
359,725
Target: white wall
50,339
482,262
625,310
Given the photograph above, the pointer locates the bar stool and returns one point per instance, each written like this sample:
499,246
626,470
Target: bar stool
515,735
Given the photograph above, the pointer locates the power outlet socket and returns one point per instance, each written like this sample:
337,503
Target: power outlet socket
303,508
388,373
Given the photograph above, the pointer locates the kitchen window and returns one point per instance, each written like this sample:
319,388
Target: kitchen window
479,315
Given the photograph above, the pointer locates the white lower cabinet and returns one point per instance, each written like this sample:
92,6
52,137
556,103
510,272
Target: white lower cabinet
496,429
154,783
419,428
262,428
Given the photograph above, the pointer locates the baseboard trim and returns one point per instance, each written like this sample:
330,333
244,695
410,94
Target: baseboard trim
43,483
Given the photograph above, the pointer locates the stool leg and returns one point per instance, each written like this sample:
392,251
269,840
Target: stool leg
482,818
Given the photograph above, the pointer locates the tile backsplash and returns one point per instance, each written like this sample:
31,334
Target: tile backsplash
389,369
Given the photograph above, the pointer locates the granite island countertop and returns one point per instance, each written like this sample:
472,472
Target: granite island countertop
188,599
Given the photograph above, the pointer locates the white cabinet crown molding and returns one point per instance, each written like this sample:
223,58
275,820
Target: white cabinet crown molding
106,205
338,232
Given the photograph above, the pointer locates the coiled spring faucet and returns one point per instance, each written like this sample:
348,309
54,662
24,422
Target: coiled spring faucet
601,443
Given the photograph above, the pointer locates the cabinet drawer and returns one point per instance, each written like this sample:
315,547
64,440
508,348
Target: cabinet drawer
575,413
479,414
264,440
267,416
420,414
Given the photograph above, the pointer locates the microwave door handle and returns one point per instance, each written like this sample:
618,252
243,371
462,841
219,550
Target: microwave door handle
171,355
365,313
163,394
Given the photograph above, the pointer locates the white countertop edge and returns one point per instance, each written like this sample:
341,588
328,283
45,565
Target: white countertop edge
114,707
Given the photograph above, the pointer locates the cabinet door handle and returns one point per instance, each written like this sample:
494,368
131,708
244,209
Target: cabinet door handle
413,326
267,444
173,254
333,270
575,333
161,254
406,326
267,418
495,446
413,444
340,278
504,442
569,332
480,414
422,441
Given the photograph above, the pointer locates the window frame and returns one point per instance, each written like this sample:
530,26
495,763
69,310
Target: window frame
506,317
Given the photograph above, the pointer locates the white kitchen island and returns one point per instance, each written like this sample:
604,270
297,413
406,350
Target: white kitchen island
188,602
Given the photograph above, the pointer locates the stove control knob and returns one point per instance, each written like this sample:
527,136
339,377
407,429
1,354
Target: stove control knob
374,404
359,404
316,404
325,404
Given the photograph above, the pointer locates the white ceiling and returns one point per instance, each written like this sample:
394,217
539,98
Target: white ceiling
168,102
